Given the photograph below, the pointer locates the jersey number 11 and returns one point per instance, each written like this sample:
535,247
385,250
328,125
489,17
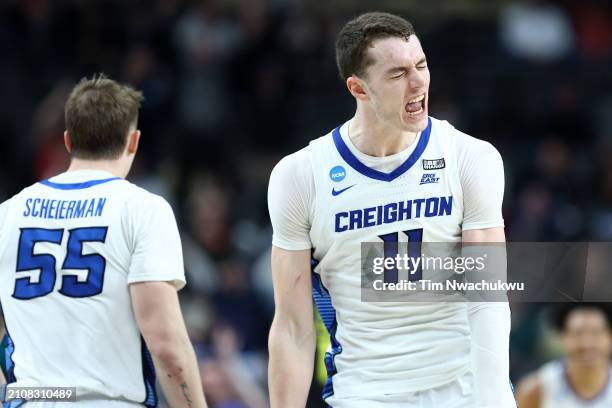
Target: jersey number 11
391,250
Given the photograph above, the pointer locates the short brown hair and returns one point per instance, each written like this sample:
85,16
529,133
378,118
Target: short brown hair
359,34
560,312
99,114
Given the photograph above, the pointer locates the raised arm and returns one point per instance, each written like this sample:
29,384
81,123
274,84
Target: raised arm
292,335
159,318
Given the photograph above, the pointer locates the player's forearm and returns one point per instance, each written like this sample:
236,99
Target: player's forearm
2,379
179,376
290,367
490,330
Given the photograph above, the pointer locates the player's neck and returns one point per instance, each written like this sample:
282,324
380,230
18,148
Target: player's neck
374,138
587,382
110,166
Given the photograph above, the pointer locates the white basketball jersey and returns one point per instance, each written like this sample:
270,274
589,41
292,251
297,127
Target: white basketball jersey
556,391
69,248
383,348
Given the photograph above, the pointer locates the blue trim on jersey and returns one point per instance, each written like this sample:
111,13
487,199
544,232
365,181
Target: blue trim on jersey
10,365
322,300
148,374
10,368
513,393
354,162
76,186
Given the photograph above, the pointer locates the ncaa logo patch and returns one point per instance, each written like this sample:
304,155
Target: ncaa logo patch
337,173
433,164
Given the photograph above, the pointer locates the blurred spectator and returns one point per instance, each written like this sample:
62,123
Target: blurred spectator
48,131
208,234
217,387
532,221
229,382
237,305
205,40
593,22
536,30
262,280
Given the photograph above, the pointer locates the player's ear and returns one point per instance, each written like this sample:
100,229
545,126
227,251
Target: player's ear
133,139
67,141
357,88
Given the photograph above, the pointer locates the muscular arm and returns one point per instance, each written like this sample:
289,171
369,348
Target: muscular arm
160,321
528,392
291,342
292,335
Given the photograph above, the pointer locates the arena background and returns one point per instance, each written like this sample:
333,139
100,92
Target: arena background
233,85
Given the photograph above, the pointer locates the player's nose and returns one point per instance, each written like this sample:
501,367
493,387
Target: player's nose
416,80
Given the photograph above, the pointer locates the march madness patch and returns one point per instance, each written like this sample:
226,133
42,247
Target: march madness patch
433,164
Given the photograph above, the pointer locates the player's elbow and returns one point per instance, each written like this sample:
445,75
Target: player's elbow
300,333
168,349
164,350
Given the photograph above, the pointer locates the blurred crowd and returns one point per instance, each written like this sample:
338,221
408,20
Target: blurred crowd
233,85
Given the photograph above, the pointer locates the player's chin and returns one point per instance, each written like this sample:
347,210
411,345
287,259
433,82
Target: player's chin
415,122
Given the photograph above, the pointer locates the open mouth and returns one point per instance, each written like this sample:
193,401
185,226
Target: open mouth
416,105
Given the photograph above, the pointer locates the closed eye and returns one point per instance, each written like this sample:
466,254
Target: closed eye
421,63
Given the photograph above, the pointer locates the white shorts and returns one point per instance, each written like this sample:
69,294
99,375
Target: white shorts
456,394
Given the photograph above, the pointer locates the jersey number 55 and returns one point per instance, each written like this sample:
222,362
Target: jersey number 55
95,264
